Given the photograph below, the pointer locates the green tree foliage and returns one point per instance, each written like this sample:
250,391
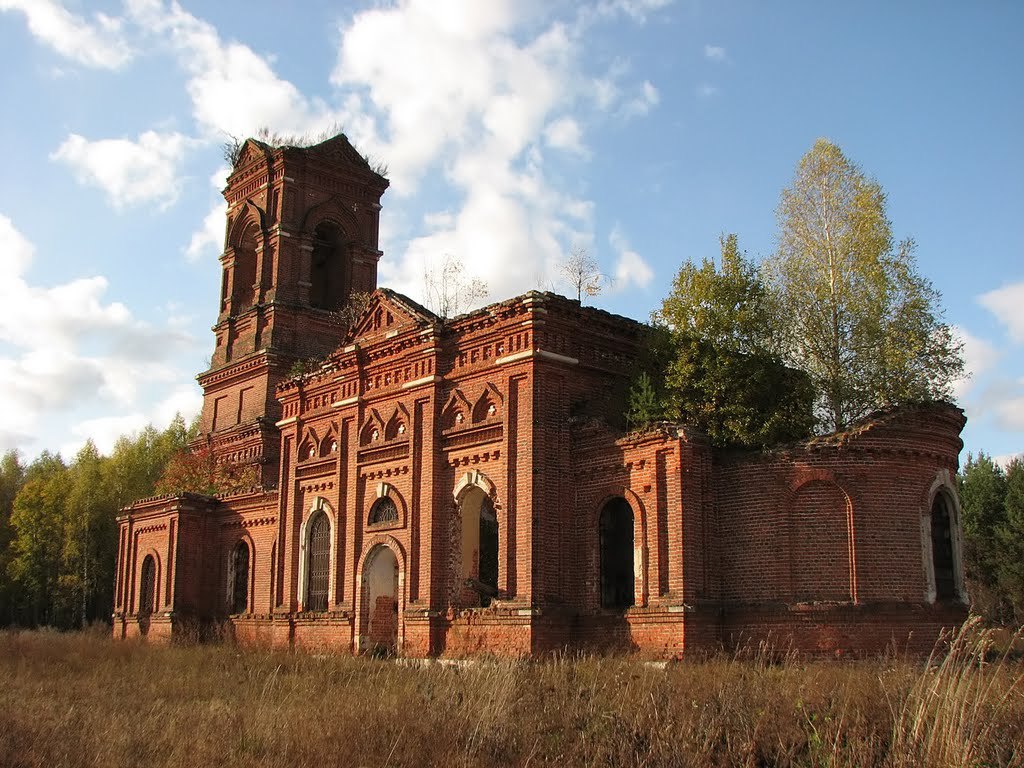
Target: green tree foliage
35,565
198,471
859,318
58,543
992,501
12,477
1010,538
721,374
645,405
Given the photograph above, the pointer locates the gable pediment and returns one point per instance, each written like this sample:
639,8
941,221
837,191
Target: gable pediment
252,151
388,314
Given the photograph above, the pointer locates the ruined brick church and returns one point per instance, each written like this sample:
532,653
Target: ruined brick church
453,487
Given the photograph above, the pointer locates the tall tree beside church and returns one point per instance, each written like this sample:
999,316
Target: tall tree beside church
859,319
722,375
89,540
1011,539
37,523
982,489
12,477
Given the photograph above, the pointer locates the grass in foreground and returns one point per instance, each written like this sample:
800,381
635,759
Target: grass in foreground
83,700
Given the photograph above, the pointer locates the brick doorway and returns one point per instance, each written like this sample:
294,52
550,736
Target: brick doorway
380,603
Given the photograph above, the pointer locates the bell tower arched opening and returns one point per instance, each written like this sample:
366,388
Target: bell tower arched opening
328,273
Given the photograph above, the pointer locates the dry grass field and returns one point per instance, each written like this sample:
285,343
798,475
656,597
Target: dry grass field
83,700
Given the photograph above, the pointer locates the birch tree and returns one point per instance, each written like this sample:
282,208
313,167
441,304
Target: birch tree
858,317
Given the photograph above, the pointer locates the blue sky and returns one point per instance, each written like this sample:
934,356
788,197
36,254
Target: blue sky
513,131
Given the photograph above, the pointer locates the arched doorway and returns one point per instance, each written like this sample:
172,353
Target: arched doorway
147,593
380,601
616,552
479,528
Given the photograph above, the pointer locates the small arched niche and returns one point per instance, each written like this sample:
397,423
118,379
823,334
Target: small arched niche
328,273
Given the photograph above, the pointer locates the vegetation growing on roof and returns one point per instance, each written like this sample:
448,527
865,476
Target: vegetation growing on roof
232,148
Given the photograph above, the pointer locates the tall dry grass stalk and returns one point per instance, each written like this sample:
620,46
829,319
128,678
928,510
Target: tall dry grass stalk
81,700
955,714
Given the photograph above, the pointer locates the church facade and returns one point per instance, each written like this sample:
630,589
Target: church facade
456,487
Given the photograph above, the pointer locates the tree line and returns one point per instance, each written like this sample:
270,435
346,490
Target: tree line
992,500
58,533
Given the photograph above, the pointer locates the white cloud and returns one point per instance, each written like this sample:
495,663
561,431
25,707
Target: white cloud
1006,304
715,53
706,90
69,348
477,98
1010,413
234,90
1005,460
630,267
635,9
641,104
979,357
565,133
129,172
209,238
98,44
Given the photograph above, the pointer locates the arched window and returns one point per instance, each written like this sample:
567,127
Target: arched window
147,586
319,563
943,560
240,578
488,548
327,268
244,278
616,534
383,510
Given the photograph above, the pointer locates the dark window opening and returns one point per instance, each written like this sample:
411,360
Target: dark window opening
244,278
147,593
616,554
240,575
327,268
147,587
942,551
488,549
319,563
383,510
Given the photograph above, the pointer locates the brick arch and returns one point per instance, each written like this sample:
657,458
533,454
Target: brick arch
332,211
157,569
822,564
363,610
371,420
388,491
456,403
250,215
942,489
245,537
641,548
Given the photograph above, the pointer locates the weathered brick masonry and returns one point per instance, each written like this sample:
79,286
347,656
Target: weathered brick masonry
459,487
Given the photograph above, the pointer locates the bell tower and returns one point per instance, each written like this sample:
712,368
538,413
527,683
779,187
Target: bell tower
301,238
